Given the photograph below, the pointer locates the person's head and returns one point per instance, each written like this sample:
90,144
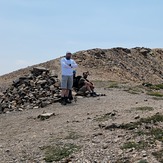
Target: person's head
85,74
74,73
68,55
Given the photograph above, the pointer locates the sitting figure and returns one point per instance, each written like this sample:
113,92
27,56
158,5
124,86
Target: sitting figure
86,86
76,80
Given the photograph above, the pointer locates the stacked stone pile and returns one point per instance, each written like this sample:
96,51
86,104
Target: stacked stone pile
38,89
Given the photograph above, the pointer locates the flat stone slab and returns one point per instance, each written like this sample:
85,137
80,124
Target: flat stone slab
45,116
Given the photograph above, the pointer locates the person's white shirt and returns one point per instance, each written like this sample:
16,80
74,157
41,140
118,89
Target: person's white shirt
67,66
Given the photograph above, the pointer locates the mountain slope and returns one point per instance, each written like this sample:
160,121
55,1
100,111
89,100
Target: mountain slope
136,64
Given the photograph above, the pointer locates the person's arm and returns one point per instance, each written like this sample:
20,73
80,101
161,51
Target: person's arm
64,64
74,64
88,83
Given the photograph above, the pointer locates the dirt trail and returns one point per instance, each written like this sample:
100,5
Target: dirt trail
22,135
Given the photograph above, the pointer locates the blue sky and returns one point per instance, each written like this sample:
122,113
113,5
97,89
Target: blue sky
34,31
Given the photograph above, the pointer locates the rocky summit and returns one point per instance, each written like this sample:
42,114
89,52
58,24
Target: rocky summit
38,89
136,64
117,64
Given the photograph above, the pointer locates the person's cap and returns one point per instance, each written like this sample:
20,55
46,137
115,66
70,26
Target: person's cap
86,73
68,53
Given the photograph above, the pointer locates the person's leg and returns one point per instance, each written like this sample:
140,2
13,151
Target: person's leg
82,91
69,86
63,93
64,85
88,88
91,90
64,89
70,97
66,92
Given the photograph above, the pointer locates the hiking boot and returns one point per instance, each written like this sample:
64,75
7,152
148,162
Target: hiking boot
68,101
93,94
63,101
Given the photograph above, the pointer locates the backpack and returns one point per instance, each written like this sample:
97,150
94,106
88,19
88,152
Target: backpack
76,82
75,85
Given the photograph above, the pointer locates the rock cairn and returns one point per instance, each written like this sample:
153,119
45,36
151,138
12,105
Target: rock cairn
39,89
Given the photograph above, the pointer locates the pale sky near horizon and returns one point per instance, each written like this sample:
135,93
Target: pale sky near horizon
34,31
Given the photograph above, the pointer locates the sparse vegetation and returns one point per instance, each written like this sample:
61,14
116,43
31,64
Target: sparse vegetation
156,94
157,98
158,155
137,146
72,135
105,117
133,125
157,133
134,90
57,153
153,134
113,85
123,160
153,119
157,87
144,108
106,84
153,86
143,161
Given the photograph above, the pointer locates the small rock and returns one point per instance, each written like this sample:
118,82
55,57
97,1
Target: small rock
130,150
144,153
36,107
96,141
102,125
97,134
45,116
105,146
20,109
147,127
112,126
116,140
137,117
7,150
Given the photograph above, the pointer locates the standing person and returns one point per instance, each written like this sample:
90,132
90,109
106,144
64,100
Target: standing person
67,66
